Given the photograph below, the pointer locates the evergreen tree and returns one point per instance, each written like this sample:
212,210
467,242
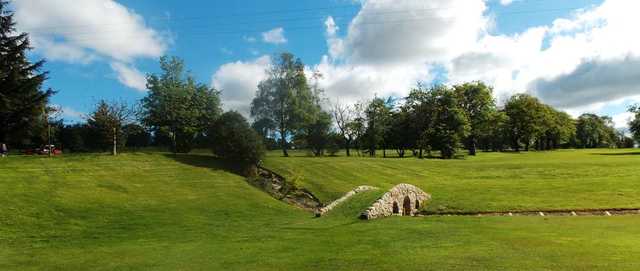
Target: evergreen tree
22,100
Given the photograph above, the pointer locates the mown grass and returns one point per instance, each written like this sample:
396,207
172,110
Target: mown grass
567,179
160,212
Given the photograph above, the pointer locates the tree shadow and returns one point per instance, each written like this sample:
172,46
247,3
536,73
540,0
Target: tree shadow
207,161
617,154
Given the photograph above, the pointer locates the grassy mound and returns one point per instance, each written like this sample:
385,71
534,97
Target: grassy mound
157,212
490,182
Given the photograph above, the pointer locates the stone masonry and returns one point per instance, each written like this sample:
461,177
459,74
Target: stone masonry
402,199
348,195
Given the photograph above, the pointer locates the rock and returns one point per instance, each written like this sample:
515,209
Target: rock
402,199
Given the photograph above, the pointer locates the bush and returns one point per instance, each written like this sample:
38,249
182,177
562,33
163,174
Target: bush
232,138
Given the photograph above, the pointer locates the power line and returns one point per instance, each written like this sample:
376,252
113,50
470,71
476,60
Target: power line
315,25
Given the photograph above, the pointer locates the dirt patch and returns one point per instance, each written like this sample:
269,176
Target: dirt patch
278,187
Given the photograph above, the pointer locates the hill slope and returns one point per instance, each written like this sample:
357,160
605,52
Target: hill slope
154,212
490,182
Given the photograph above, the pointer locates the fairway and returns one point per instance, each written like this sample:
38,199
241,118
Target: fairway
151,211
565,179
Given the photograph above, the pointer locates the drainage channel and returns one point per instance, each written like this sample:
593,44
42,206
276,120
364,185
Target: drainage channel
577,212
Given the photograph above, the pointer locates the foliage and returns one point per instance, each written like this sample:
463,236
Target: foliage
593,131
315,133
136,135
22,100
476,100
178,106
232,138
449,124
344,118
634,124
284,99
105,125
526,120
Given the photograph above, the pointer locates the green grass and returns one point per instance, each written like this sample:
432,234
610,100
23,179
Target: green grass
156,212
567,179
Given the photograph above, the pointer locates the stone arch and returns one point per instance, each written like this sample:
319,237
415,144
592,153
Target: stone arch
406,206
410,197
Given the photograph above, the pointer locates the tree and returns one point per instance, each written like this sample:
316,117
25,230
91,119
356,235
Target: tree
178,106
22,100
284,98
106,122
634,124
232,138
559,128
136,135
525,120
400,135
419,104
316,133
449,124
344,117
74,137
495,135
476,99
593,131
377,114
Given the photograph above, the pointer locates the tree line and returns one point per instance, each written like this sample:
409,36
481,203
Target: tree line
289,111
435,119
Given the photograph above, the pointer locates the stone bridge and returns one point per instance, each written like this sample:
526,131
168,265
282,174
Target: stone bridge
402,199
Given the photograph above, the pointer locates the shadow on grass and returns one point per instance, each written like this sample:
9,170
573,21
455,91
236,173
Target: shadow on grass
207,161
617,154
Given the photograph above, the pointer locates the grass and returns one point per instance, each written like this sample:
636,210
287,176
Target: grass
568,179
160,212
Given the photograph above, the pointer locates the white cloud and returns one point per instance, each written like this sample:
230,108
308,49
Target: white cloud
130,76
621,121
83,31
387,55
506,2
238,82
585,62
274,36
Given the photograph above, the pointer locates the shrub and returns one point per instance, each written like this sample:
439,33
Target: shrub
232,138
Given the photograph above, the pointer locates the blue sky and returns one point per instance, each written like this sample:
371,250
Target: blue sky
99,49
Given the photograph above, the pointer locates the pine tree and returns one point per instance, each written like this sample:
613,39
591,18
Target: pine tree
22,100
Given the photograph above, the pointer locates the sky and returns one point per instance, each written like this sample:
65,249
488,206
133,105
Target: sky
577,55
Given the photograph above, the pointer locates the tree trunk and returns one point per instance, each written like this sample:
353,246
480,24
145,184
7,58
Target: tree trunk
420,154
115,142
347,145
283,141
472,146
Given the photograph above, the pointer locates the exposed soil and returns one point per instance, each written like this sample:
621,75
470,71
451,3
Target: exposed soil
278,187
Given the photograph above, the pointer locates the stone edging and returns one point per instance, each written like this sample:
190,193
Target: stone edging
330,206
562,212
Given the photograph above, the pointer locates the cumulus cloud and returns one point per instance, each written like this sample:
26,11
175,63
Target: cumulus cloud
583,62
274,36
238,82
389,46
413,31
83,31
593,81
130,76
